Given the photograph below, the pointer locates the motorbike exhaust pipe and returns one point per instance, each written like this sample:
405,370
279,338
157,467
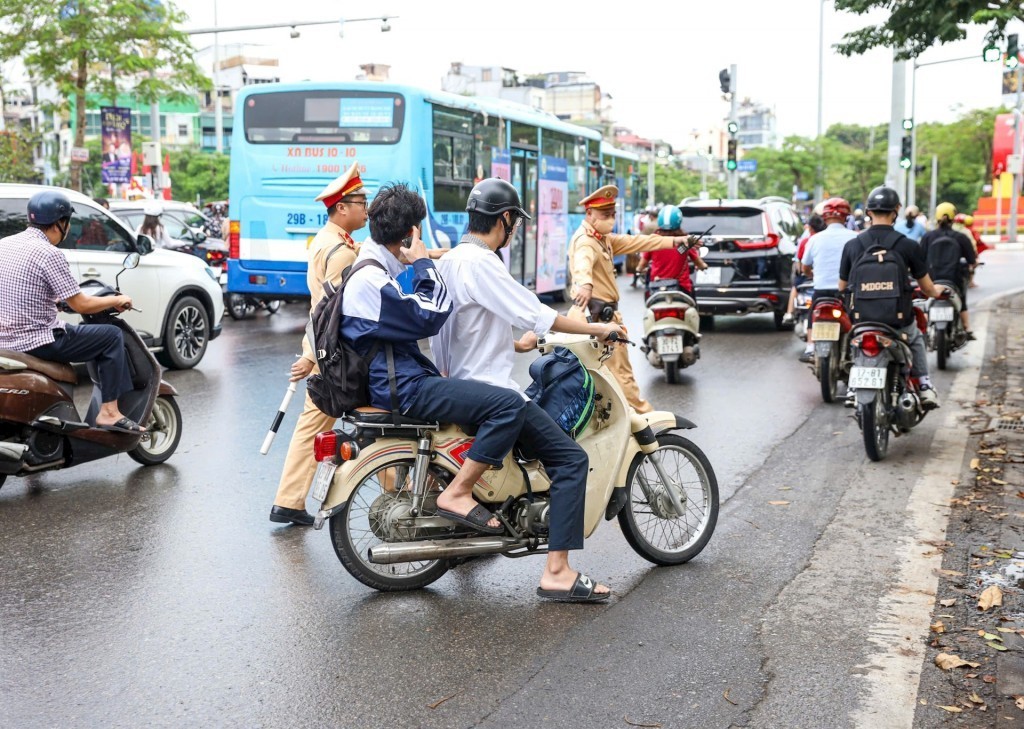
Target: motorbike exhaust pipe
908,402
441,549
13,452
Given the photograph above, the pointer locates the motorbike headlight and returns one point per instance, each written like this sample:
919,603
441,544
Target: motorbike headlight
212,274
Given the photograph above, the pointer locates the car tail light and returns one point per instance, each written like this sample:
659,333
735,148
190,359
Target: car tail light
673,313
215,257
771,240
234,236
325,446
770,297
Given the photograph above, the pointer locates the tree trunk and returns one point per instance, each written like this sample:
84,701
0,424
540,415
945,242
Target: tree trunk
81,76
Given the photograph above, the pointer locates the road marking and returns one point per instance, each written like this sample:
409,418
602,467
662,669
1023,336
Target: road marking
889,697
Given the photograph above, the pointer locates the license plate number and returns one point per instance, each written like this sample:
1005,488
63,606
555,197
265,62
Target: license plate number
711,275
323,479
941,313
670,345
825,331
867,378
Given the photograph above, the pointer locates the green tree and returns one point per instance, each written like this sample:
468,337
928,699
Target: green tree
964,151
16,147
672,184
83,45
196,174
914,26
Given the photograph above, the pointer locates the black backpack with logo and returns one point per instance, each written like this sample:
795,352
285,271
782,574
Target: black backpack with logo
343,382
878,288
944,259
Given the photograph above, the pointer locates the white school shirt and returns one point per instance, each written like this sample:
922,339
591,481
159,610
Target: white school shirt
476,343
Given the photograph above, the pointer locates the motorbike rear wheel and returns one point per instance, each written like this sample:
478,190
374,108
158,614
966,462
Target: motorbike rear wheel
827,378
648,520
238,307
359,525
941,347
672,372
164,426
874,424
3,477
273,307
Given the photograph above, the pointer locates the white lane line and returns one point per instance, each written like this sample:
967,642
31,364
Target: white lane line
889,696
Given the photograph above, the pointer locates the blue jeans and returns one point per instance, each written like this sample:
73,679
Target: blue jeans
99,343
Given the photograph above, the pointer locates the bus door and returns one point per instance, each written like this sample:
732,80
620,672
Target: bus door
523,256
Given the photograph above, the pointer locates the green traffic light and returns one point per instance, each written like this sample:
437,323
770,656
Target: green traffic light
991,54
730,165
905,163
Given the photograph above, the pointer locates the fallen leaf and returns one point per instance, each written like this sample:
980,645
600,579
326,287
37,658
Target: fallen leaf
785,488
1019,700
778,503
441,701
1006,630
988,678
952,709
725,695
975,462
991,636
997,646
938,627
948,603
948,573
652,725
976,699
947,662
999,482
991,597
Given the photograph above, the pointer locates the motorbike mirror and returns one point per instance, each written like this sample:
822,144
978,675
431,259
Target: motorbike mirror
145,244
703,251
198,235
131,261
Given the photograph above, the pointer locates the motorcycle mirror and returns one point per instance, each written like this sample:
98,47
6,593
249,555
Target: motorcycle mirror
703,251
131,261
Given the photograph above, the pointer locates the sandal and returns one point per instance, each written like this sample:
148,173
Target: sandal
582,590
124,425
476,519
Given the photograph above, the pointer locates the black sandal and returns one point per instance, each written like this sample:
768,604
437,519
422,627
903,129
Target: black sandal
476,519
582,590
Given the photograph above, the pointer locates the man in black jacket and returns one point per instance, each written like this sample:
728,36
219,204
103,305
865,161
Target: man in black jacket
943,249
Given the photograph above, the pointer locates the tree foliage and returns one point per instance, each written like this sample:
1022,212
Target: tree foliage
196,174
101,45
16,158
914,26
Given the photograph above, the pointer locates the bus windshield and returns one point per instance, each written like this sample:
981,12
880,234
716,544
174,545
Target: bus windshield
322,116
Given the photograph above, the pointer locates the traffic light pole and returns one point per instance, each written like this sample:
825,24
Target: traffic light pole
734,175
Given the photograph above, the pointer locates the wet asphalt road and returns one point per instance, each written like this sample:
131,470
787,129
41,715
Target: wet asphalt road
163,596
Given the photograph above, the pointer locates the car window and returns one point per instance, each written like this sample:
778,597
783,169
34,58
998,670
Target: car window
13,216
727,221
94,230
176,227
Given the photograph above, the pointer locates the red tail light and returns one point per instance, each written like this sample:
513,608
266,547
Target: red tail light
676,313
770,297
870,345
325,446
215,257
234,236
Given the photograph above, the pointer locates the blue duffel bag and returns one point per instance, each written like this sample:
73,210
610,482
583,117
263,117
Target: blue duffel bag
564,389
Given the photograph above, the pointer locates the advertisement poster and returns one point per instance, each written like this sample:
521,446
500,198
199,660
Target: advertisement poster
552,223
116,132
501,164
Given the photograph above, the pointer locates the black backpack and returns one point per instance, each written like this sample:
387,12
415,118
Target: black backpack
343,382
944,259
878,288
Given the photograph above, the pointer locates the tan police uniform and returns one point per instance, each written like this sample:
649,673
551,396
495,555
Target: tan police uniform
330,253
591,261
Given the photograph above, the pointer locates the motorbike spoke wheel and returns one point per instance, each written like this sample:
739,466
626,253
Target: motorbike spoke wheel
238,308
941,347
827,378
365,521
874,424
164,428
649,521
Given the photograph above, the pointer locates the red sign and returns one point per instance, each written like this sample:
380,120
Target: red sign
1002,143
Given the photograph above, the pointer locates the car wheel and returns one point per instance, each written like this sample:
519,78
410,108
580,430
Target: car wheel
186,334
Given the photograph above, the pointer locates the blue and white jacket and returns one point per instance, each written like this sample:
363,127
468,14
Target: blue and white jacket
376,309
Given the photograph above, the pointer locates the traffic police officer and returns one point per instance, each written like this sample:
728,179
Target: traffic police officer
595,292
331,251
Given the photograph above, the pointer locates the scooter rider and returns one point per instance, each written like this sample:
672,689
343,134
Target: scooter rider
670,264
476,344
822,256
883,207
945,234
376,310
595,292
34,276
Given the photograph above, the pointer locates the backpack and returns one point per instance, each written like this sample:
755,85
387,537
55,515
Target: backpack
564,389
878,288
944,259
343,382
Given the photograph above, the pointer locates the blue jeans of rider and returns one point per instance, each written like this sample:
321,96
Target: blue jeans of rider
918,347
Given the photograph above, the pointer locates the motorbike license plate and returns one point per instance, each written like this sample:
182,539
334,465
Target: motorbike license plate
867,378
825,331
711,275
941,313
322,480
670,345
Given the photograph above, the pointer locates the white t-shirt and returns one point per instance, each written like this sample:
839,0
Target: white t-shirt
824,253
476,343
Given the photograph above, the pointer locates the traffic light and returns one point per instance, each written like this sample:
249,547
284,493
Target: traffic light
991,53
1012,51
730,162
906,151
908,124
725,82
733,127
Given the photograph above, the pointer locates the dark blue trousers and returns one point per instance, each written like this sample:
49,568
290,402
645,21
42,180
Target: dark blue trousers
99,343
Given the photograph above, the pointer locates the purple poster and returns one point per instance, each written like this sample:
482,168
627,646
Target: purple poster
501,164
552,223
116,132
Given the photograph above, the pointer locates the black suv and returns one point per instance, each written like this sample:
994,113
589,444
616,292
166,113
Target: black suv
750,255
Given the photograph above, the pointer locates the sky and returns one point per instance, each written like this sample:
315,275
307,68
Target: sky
659,62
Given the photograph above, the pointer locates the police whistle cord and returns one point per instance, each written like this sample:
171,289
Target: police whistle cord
277,419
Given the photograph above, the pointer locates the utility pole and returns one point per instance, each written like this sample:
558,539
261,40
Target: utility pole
933,198
650,175
734,176
912,170
1011,233
894,174
819,188
154,124
218,110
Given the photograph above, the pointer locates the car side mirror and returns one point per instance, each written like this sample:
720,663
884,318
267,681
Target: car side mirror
198,235
145,244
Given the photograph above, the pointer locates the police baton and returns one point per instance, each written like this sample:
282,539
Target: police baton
277,419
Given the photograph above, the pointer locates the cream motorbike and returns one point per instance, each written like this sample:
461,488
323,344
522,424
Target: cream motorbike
377,484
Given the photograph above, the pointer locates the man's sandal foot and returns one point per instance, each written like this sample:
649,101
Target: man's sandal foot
476,519
582,590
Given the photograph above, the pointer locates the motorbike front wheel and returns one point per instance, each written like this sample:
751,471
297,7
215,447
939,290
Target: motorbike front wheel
874,424
941,347
164,428
377,503
649,520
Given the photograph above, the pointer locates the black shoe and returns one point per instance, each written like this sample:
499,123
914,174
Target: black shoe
807,357
970,336
282,515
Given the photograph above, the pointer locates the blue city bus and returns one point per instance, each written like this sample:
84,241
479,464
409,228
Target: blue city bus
290,140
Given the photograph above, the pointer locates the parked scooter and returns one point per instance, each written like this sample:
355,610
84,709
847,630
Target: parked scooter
946,332
671,328
830,330
885,395
378,485
40,427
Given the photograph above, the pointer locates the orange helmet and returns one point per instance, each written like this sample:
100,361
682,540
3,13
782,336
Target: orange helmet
835,207
959,218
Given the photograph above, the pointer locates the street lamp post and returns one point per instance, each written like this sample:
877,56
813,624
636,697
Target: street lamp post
819,188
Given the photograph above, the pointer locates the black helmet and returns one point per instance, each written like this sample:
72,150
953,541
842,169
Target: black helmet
494,196
49,206
884,199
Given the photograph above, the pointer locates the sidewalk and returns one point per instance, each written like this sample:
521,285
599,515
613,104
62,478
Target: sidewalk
984,551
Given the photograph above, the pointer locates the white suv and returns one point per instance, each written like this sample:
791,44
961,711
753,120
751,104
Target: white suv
179,300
